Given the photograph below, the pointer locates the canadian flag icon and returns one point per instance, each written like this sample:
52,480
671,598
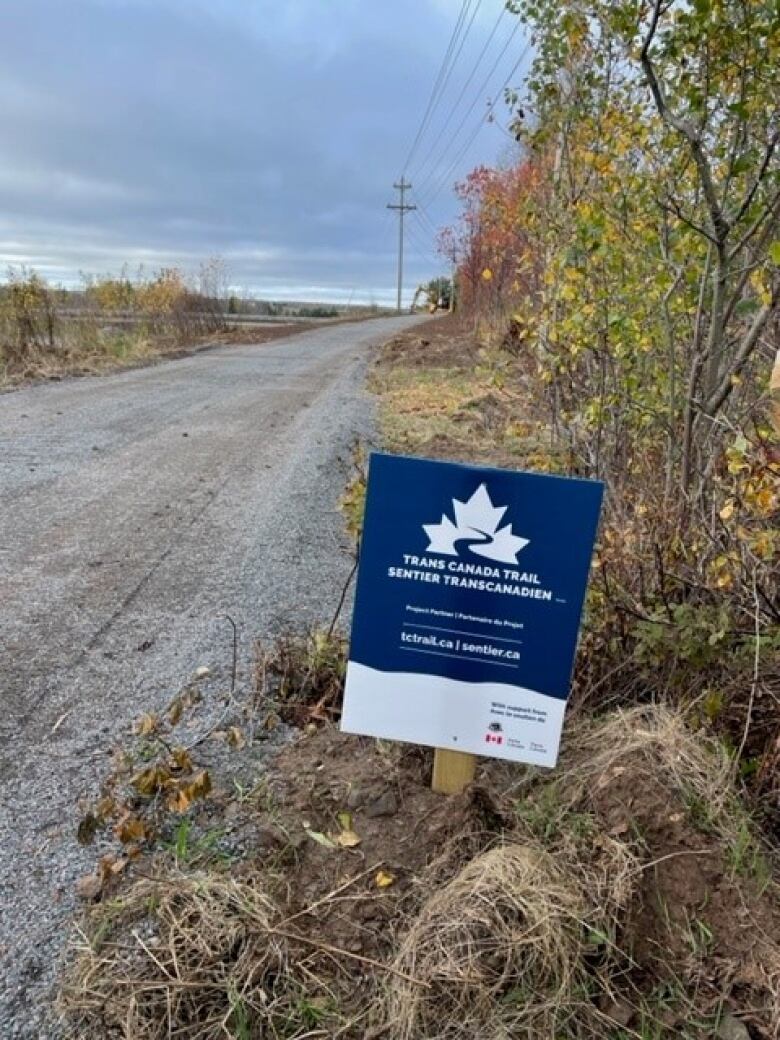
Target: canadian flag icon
494,738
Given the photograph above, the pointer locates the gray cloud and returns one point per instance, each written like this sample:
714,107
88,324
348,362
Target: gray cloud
171,130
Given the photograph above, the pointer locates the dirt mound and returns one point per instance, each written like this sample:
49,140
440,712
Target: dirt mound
445,341
404,829
498,950
625,894
701,920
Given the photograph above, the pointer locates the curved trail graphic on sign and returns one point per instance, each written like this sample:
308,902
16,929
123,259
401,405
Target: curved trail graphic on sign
477,525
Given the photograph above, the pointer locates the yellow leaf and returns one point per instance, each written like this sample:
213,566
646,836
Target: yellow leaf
348,839
182,758
235,737
147,725
150,780
384,879
130,828
728,510
759,282
345,820
487,275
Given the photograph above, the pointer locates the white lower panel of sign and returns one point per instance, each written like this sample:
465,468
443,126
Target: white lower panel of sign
482,718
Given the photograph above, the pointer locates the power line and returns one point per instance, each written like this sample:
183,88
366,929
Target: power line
424,251
457,54
422,215
427,231
480,93
435,90
491,104
463,90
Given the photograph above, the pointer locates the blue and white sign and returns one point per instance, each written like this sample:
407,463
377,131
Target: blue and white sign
468,603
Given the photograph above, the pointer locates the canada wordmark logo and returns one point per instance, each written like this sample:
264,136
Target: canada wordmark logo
477,525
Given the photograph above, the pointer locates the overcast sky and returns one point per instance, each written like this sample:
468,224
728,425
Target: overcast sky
167,131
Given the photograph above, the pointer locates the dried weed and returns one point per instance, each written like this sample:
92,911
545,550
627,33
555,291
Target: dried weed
188,956
498,950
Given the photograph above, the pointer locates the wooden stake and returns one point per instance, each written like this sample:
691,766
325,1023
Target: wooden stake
452,771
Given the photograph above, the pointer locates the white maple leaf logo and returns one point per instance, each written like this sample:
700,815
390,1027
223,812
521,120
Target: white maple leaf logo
477,523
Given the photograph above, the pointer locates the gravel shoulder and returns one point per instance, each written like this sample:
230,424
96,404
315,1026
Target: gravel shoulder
137,509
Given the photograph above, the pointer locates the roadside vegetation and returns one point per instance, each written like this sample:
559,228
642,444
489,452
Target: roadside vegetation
618,290
47,331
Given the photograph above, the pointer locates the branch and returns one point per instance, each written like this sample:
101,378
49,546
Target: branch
772,209
720,225
750,267
748,345
671,206
770,148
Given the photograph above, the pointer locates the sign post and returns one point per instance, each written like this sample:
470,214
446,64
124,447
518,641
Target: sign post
468,602
452,770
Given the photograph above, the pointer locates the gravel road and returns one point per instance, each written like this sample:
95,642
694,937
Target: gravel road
136,509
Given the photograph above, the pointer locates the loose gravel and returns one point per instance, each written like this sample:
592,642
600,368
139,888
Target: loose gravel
137,509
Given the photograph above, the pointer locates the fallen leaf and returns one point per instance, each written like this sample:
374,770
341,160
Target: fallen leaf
348,839
184,794
178,802
200,785
147,725
235,737
89,887
105,807
176,711
87,829
384,879
182,758
202,672
110,865
150,780
130,828
321,839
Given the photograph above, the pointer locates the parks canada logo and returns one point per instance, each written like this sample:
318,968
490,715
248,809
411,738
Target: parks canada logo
477,527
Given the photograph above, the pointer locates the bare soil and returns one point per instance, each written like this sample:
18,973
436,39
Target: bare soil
438,398
693,934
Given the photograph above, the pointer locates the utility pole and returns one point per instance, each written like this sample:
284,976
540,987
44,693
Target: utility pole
402,208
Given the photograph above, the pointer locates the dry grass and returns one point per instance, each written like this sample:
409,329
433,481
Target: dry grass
601,902
188,956
657,743
300,676
498,948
